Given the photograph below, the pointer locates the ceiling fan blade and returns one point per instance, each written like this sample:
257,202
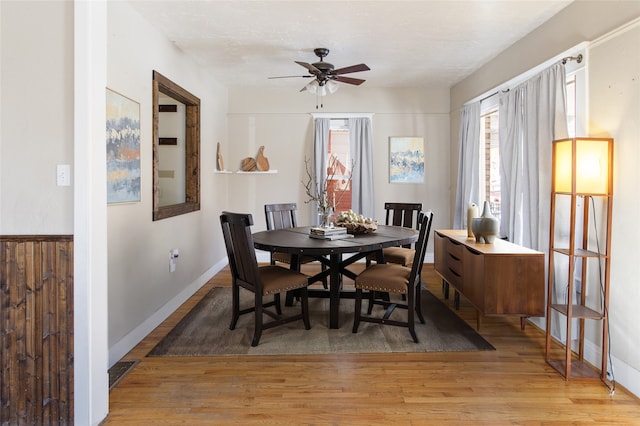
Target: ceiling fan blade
310,67
349,80
291,76
352,68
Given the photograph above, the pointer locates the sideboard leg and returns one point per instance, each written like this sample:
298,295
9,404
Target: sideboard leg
445,289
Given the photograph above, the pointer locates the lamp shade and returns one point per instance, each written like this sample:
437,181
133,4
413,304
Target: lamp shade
583,165
312,87
332,86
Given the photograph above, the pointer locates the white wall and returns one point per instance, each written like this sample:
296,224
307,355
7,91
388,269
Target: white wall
142,291
280,119
614,109
36,121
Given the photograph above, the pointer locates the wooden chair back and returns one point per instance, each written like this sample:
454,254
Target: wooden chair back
236,229
280,216
424,224
403,214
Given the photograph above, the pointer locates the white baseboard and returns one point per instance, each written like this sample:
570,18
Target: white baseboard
128,342
624,374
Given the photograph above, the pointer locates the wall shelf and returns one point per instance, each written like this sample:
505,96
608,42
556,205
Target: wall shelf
240,172
223,172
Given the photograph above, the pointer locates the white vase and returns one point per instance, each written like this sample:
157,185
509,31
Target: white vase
472,212
485,228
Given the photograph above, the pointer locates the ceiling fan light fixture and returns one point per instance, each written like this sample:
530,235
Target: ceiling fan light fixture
332,86
315,88
312,87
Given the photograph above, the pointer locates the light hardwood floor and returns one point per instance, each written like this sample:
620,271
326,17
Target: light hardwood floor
512,385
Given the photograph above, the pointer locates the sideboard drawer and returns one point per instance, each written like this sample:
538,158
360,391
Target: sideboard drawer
448,260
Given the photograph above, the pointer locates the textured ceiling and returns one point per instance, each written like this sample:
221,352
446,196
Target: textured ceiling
405,43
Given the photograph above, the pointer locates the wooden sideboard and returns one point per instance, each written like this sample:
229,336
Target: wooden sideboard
498,279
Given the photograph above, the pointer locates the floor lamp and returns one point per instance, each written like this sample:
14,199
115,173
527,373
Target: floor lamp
582,184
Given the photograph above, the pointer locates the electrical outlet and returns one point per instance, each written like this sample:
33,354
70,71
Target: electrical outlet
173,256
610,373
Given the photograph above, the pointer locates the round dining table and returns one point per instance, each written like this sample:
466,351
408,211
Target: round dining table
297,242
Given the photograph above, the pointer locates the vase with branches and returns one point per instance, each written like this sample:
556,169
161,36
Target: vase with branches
321,193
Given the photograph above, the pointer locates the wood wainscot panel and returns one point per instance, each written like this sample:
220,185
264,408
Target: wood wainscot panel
36,298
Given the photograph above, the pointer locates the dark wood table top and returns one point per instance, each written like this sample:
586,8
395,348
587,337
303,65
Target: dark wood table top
297,241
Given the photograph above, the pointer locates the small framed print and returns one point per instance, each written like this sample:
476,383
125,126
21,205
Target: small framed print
406,159
123,149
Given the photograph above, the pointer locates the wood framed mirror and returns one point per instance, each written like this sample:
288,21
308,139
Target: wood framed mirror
176,149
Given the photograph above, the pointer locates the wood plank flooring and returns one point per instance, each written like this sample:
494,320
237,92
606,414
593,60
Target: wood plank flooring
512,385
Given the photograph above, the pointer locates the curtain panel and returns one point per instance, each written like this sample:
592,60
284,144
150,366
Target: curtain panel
320,158
361,146
468,188
532,115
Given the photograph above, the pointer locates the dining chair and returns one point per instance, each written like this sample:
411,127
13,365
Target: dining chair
384,278
262,281
399,214
280,216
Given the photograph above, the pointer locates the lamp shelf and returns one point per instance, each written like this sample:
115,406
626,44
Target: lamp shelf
579,252
579,369
577,311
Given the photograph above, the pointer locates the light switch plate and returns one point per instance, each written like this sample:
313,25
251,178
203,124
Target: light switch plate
63,175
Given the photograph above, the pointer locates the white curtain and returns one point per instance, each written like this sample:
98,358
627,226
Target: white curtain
361,146
468,189
532,115
320,157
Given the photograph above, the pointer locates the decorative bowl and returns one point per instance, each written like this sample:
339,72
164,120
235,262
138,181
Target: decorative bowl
358,228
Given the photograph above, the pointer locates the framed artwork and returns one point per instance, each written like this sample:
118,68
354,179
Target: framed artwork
406,159
123,149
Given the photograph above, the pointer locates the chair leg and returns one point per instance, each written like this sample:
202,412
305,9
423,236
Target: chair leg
418,302
358,307
372,295
411,315
276,300
235,309
304,297
323,267
258,320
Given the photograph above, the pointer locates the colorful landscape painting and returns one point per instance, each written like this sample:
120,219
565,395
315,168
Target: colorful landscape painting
406,160
123,149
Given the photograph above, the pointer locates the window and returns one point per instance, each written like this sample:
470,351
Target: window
489,152
339,167
490,160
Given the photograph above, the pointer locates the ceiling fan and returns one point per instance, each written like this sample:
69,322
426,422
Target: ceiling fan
326,75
